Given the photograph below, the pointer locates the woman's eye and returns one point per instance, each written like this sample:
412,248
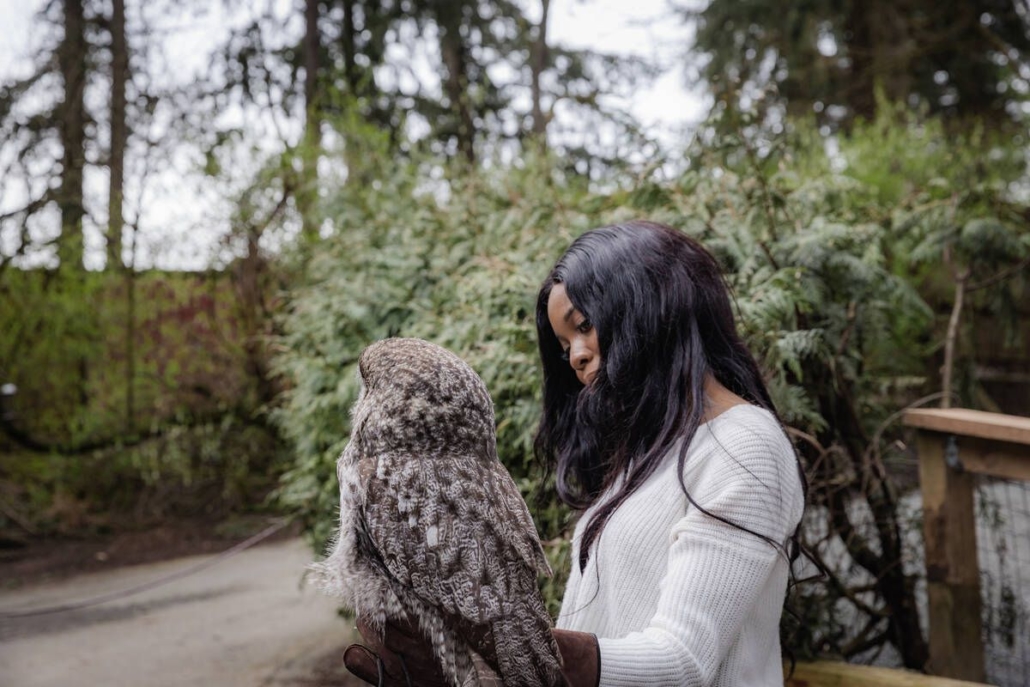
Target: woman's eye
584,327
565,355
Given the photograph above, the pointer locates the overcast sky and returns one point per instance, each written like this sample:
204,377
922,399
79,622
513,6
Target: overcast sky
648,28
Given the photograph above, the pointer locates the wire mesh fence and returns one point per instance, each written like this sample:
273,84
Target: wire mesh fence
1003,554
1002,521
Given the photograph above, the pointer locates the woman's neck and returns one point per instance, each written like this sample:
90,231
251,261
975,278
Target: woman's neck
718,399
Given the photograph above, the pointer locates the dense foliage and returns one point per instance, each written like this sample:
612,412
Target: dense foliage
462,273
834,260
112,411
422,164
957,58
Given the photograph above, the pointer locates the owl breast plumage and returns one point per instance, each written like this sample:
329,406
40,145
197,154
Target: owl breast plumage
432,527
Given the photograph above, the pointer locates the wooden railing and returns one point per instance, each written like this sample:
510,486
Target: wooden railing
954,445
833,674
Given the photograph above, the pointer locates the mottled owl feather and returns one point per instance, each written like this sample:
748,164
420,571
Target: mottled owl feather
432,525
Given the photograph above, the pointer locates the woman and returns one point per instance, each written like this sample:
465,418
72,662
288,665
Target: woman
661,432
660,428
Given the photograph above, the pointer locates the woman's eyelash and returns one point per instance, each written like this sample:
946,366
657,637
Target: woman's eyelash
584,327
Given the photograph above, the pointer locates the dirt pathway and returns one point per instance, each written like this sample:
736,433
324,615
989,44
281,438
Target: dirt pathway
245,622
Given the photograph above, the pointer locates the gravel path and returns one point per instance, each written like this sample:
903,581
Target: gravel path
246,622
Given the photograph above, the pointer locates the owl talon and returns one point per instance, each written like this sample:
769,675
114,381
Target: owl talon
404,667
381,669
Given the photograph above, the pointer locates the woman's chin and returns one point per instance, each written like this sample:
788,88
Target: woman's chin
587,379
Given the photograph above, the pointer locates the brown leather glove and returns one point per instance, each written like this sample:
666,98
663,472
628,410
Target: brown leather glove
581,657
400,657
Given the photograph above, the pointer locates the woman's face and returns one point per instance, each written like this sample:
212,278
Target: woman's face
576,335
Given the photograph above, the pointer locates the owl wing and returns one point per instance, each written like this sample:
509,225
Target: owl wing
454,530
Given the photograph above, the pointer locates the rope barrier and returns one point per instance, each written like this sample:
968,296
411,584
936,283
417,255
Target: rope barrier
152,584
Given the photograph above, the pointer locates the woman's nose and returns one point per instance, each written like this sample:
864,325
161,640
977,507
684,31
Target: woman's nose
579,356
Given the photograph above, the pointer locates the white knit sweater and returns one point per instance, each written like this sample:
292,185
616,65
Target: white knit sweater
677,597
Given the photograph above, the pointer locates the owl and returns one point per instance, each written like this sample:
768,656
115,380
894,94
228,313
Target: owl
432,527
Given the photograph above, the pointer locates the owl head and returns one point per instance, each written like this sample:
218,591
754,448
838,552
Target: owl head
419,397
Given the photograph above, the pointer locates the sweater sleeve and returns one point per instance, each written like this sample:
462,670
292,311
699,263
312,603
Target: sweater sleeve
716,574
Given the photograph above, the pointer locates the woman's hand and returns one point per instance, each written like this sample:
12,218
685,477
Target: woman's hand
581,657
401,657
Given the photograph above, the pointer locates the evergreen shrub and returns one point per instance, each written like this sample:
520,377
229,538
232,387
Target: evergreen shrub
819,251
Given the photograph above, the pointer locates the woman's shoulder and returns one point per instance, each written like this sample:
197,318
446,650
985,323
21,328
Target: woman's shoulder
747,425
746,441
742,467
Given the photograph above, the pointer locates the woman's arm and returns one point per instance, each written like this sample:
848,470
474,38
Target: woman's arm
719,577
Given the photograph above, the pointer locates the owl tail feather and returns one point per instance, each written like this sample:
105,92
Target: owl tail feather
527,654
451,653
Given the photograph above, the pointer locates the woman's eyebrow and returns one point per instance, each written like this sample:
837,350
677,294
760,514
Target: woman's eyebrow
568,315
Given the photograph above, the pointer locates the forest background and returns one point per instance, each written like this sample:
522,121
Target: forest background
414,167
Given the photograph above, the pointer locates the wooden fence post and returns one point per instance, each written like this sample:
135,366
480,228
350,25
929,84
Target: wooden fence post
952,572
954,445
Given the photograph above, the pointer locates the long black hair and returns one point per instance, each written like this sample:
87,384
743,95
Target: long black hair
664,321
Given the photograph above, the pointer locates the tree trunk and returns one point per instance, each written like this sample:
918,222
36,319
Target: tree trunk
948,369
130,338
307,194
71,58
115,198
455,59
119,135
250,282
896,589
538,63
860,91
350,68
880,48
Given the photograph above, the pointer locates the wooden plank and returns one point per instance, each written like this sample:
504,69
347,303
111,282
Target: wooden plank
952,573
973,423
833,674
995,458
